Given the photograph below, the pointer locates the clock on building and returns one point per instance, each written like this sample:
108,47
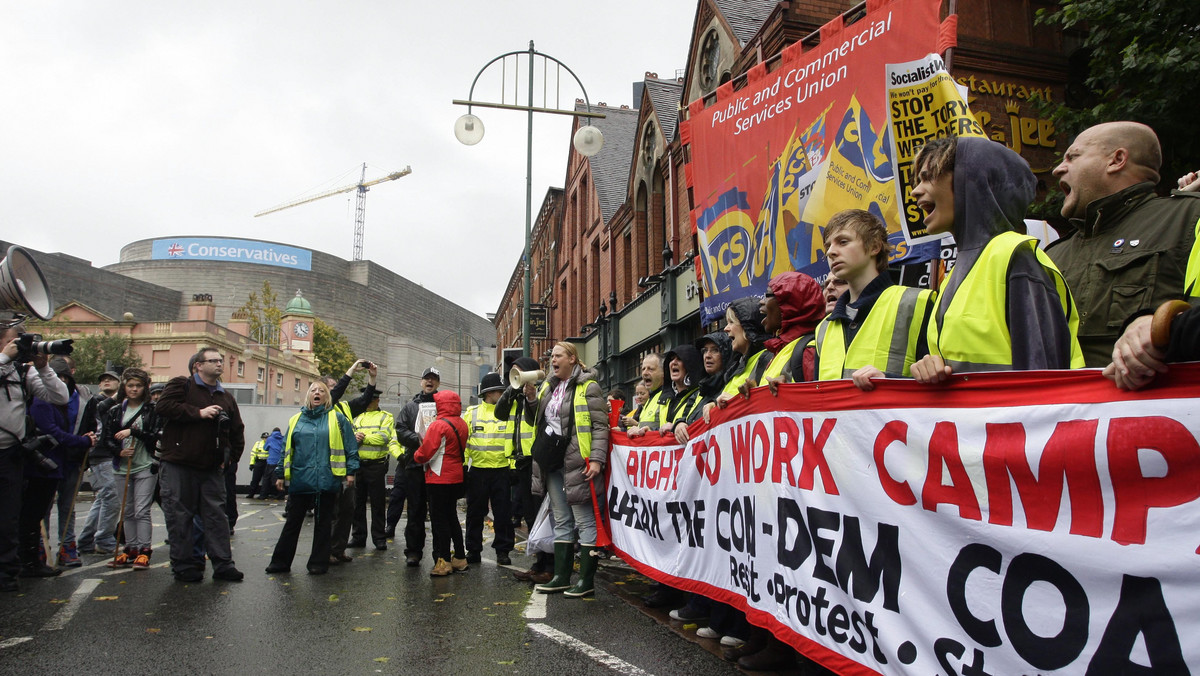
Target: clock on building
300,329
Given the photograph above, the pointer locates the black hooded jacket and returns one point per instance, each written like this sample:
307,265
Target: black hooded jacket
751,318
693,366
993,188
711,385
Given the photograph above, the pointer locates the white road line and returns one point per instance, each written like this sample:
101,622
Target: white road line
64,614
16,640
536,609
611,661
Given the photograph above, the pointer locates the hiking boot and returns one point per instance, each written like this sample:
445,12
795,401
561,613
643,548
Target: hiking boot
68,556
142,560
441,568
459,564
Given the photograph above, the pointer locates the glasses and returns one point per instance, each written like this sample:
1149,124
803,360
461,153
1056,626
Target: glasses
218,362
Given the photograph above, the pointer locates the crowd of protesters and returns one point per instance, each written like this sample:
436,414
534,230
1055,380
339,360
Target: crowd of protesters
1089,299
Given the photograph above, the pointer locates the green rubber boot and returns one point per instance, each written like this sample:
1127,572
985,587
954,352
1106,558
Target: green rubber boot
564,561
588,560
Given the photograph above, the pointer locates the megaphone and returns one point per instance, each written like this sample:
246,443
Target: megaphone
518,379
23,288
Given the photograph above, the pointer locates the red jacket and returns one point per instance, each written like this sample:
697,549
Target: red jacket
448,429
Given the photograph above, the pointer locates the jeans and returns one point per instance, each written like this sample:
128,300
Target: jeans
100,527
138,534
66,503
568,517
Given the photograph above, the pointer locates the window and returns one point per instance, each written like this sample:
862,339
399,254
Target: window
297,383
241,369
278,380
261,374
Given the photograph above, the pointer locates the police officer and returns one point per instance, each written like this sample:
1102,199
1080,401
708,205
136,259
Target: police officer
375,431
258,465
489,465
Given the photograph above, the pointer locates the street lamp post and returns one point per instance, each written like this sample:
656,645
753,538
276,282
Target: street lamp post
468,129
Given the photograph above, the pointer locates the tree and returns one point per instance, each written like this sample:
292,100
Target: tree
332,349
1142,60
263,313
94,349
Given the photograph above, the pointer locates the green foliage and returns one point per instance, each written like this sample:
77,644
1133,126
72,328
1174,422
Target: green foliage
1143,59
92,350
263,312
332,349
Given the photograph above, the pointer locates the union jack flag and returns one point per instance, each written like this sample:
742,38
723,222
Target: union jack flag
175,251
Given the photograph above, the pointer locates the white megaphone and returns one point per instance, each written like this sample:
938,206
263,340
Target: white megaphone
518,379
23,288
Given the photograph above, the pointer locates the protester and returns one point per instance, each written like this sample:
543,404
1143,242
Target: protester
274,447
744,325
641,394
682,393
202,433
1004,305
441,454
375,431
320,461
1128,250
83,422
792,307
511,406
876,328
488,456
648,412
833,289
410,429
132,426
570,450
343,515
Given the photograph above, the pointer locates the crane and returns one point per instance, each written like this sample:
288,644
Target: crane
360,212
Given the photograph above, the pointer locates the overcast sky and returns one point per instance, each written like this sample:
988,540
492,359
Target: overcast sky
124,121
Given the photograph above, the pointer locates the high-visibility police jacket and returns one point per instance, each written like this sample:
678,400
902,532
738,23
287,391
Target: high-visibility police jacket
886,340
489,442
379,436
258,451
311,477
652,409
731,388
519,440
971,333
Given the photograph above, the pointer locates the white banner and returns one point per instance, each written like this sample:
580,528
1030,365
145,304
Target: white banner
1005,524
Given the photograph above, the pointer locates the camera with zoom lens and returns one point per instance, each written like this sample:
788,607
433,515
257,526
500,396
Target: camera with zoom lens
30,345
33,447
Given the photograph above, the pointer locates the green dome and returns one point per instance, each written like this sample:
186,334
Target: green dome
298,306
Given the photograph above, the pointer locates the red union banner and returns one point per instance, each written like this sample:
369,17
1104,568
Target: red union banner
1007,523
812,134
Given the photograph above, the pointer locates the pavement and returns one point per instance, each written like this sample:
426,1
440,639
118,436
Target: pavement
372,615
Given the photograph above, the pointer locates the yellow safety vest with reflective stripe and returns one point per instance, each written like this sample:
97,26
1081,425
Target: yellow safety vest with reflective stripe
337,450
652,409
682,411
258,451
489,441
971,334
379,436
583,419
1191,278
731,388
886,340
525,435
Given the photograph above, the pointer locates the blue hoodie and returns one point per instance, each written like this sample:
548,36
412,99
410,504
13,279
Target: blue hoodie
274,446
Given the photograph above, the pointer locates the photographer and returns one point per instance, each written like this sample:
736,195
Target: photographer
202,433
19,381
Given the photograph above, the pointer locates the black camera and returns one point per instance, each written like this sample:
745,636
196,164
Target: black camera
33,447
30,345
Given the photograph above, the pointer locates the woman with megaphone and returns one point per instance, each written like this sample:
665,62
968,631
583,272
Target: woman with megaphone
570,448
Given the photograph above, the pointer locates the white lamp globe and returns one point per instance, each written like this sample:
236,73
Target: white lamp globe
588,140
468,129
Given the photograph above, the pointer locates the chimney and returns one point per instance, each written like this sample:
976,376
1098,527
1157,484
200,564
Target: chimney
202,308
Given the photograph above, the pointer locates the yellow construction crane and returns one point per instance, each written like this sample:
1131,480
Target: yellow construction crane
360,213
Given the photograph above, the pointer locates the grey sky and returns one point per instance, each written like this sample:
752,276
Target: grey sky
124,121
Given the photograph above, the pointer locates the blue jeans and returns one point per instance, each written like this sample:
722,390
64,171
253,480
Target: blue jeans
568,517
66,504
100,528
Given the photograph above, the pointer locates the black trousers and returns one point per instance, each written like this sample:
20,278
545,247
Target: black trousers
525,503
298,505
418,507
38,495
396,499
12,467
443,517
343,519
489,485
231,493
262,479
370,485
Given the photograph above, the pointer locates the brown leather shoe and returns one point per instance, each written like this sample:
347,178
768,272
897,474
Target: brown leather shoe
541,578
524,575
458,564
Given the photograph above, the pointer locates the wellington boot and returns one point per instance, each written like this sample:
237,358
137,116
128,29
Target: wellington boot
589,558
564,561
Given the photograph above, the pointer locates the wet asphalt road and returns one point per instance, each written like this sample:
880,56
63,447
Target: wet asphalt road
373,615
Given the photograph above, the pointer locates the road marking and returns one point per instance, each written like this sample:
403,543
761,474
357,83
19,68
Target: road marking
536,609
16,640
611,661
64,614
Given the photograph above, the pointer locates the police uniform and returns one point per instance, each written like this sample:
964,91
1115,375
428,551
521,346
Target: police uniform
379,441
489,464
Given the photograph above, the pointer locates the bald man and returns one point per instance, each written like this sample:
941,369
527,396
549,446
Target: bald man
1129,249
